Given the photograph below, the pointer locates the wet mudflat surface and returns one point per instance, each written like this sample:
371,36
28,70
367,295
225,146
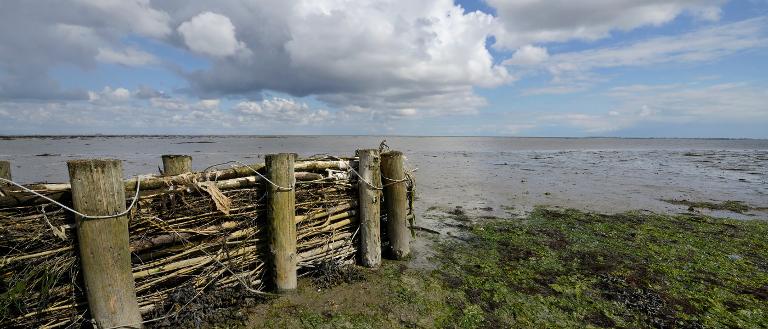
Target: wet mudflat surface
485,176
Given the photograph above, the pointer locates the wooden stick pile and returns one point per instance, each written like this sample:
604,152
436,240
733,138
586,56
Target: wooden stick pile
39,268
200,230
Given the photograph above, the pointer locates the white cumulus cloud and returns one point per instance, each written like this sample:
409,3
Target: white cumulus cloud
281,110
528,55
211,34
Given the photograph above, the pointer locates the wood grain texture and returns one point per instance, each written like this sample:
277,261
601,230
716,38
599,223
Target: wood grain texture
281,208
97,189
396,204
369,200
176,164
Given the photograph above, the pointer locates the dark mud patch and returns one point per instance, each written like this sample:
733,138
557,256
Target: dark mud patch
555,238
331,274
459,214
760,293
594,261
730,205
185,308
656,310
599,319
510,253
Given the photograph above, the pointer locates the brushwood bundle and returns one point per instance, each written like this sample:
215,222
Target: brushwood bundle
192,233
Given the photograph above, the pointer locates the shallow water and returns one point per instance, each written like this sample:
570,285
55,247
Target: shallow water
477,173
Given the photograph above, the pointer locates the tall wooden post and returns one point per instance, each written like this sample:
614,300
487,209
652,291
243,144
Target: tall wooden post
176,164
370,207
281,209
396,203
5,170
97,189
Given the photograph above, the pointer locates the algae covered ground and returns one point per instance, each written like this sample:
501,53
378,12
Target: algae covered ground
557,268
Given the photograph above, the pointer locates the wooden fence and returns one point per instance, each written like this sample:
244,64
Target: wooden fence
118,261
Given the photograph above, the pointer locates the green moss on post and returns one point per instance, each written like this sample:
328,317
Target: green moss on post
97,189
176,164
5,170
370,207
281,209
396,203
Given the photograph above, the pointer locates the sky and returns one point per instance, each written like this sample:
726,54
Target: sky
624,68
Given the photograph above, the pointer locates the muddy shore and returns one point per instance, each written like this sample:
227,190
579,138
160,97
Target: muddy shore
461,183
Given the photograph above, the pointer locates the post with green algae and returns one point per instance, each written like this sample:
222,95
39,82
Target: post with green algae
97,190
176,164
281,210
396,203
369,195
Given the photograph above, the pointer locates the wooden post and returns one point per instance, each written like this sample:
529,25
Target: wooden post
281,209
396,203
370,207
5,170
97,189
176,164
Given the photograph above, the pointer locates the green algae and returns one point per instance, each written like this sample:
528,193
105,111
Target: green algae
576,269
560,269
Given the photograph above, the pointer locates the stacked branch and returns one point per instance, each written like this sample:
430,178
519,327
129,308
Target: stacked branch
38,269
326,223
182,239
198,230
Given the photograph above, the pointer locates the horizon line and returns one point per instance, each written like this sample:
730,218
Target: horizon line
360,135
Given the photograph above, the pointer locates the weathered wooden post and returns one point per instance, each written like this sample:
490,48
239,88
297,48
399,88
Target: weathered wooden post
281,210
369,201
97,190
5,170
176,164
396,203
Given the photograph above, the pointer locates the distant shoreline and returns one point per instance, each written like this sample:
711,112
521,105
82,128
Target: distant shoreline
7,137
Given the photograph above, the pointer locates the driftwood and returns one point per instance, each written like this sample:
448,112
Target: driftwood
156,182
61,192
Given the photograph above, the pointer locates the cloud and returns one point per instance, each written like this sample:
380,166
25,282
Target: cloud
542,21
691,103
175,104
384,56
146,92
387,62
354,54
109,95
528,55
669,103
211,34
127,57
281,110
137,16
574,70
703,45
36,36
209,104
382,105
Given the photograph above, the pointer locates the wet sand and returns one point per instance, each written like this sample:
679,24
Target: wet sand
483,175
